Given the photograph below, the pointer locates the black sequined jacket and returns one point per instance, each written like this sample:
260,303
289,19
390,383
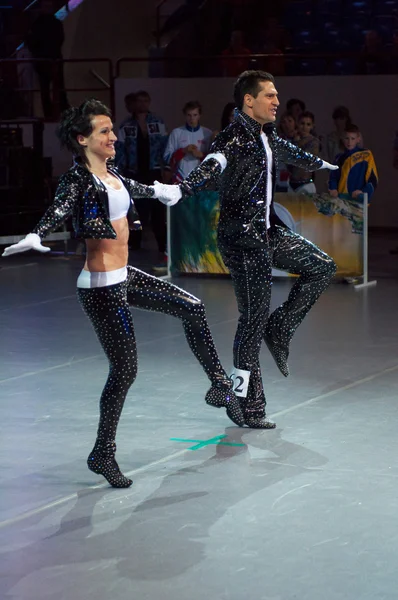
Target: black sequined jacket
80,195
242,185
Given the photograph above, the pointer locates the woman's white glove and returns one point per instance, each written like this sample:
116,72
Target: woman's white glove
168,194
326,165
31,242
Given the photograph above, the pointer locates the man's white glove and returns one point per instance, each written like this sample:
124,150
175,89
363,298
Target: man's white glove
31,242
326,165
168,194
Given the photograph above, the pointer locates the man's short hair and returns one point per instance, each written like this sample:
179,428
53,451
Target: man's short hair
248,82
352,129
142,94
292,102
130,97
192,105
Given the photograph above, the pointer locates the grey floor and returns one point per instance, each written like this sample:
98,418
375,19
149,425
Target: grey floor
307,511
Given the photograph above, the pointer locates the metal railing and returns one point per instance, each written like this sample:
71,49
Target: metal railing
107,82
211,65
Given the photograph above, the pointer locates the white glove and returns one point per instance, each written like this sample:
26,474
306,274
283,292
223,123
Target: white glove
31,242
326,165
168,194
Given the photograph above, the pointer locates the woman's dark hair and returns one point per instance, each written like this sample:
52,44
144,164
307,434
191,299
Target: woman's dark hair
249,83
307,115
341,112
192,105
77,121
226,113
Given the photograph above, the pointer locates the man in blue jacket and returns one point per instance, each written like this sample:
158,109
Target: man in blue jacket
140,147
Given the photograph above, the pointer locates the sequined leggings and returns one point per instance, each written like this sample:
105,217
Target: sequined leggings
109,312
251,271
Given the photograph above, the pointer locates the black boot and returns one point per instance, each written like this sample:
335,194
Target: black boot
279,352
222,395
259,423
102,461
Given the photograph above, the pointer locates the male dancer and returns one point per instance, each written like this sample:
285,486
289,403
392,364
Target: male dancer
252,239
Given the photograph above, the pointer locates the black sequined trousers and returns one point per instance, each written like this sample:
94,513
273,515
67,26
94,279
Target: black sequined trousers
251,272
109,312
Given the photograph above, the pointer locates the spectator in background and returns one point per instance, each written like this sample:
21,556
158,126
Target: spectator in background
233,66
334,140
295,107
287,127
287,130
373,59
44,41
227,115
187,145
357,173
302,182
141,142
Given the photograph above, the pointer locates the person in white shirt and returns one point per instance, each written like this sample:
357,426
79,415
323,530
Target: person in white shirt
188,145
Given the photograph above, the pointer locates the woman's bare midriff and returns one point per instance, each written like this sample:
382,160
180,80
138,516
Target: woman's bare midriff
109,255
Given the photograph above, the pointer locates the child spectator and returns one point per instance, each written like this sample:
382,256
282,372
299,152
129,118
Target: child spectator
357,173
187,145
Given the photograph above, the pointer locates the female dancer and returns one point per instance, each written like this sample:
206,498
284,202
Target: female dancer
100,201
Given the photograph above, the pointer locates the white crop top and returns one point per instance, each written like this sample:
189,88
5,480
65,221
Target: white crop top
119,201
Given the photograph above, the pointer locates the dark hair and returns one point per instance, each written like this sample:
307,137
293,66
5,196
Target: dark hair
351,128
228,108
130,97
306,114
341,112
290,103
77,121
248,82
192,105
143,94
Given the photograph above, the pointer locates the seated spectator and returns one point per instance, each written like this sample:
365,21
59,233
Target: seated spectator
188,145
302,182
273,64
334,139
373,59
357,173
231,67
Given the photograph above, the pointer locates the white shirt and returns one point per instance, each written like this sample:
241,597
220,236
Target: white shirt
270,164
181,137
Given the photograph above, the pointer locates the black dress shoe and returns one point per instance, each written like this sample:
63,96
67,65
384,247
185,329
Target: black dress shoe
222,395
280,354
259,423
